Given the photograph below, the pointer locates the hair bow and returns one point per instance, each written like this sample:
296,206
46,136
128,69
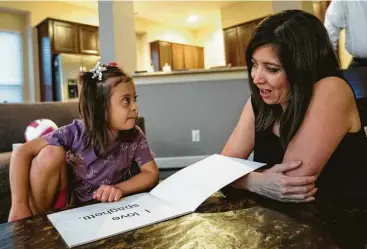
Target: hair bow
112,64
97,70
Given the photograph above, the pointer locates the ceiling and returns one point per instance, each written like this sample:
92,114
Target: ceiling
173,12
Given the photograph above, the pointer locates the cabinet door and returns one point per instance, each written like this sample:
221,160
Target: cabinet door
189,55
231,46
154,55
200,57
165,54
88,39
65,37
243,35
178,62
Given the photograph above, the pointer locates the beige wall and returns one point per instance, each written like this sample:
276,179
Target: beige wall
140,52
54,9
70,12
344,57
245,11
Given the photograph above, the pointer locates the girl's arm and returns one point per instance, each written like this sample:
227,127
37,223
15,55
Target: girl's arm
146,179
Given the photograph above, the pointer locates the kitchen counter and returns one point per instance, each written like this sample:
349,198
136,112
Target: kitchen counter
192,71
222,73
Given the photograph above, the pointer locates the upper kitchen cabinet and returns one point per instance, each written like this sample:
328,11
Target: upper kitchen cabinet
178,56
231,47
236,40
64,37
161,53
88,39
178,60
56,37
69,37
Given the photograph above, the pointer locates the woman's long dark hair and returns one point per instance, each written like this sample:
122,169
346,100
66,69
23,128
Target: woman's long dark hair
94,102
306,54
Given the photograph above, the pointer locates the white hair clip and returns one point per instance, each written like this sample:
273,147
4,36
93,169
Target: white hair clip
97,70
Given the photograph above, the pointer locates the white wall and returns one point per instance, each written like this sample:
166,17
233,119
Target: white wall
213,42
155,31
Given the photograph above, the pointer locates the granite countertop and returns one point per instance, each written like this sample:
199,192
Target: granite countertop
225,221
192,71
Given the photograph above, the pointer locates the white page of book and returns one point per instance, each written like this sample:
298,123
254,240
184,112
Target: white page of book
193,184
94,222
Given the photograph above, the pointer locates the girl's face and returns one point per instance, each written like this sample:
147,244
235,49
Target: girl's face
123,110
269,76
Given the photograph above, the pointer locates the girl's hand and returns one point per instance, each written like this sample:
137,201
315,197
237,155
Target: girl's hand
108,193
273,183
18,212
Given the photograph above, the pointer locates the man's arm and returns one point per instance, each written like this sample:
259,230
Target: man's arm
335,20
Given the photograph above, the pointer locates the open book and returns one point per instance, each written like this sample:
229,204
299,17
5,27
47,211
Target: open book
179,194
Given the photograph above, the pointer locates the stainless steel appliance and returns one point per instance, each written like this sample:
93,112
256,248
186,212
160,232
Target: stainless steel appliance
67,70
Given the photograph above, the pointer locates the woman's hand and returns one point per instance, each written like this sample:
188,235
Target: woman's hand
273,183
108,193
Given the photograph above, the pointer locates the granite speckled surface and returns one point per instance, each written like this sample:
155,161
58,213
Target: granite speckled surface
220,222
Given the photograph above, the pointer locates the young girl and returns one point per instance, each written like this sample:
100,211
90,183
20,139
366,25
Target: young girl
98,151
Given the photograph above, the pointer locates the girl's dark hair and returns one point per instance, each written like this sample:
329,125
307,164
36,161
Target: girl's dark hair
306,54
94,102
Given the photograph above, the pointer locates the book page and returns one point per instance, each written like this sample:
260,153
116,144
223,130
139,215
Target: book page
94,222
192,185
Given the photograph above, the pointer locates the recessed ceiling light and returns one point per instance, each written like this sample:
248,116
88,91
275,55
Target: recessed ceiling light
192,18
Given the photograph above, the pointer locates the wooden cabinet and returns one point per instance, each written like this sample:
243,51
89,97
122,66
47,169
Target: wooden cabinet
231,47
178,59
55,37
165,52
200,57
190,57
178,56
236,40
88,39
161,53
65,37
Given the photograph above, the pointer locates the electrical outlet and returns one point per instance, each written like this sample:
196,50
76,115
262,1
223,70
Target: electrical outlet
195,135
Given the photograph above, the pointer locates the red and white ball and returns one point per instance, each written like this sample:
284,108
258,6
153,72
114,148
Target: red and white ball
39,128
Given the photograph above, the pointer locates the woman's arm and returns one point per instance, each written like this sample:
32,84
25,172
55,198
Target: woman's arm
331,114
271,183
241,142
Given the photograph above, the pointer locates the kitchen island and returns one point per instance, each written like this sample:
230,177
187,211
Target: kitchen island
191,75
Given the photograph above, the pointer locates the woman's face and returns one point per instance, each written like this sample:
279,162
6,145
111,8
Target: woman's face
269,76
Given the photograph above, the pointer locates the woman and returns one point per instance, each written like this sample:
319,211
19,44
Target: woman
302,119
